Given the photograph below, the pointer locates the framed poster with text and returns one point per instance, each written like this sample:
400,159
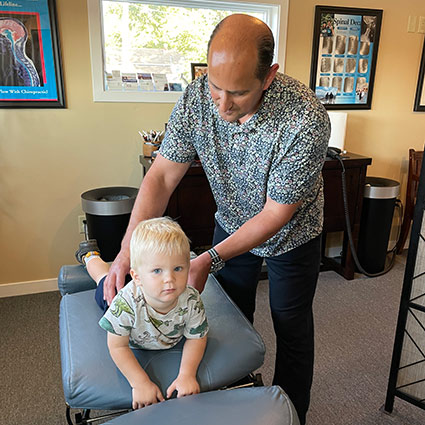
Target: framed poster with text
343,62
30,62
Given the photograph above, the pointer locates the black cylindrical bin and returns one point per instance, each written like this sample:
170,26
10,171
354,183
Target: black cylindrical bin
108,212
375,226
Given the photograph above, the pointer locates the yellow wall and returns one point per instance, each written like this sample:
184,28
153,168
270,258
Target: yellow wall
49,157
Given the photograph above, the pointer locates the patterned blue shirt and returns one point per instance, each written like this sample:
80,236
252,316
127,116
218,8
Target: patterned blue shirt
279,152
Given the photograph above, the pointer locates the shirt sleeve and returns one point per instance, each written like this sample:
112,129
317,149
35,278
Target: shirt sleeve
296,169
196,324
120,317
177,145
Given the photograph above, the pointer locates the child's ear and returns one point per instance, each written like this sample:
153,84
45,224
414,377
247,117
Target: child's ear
135,277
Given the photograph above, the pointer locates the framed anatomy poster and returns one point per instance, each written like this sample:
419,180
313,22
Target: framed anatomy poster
345,49
30,62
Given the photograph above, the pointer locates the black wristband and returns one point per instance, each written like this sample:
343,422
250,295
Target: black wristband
217,262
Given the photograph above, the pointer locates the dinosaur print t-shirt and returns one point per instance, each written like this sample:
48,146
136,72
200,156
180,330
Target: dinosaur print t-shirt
129,314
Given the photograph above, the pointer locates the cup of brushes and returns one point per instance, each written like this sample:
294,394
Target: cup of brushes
151,142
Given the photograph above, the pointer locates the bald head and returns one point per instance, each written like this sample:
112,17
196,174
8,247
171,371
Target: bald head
243,35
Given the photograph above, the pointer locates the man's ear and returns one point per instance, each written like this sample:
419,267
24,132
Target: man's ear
270,76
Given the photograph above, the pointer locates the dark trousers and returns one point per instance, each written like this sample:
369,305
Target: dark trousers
292,285
98,295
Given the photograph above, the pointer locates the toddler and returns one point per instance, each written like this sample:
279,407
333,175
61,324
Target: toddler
155,309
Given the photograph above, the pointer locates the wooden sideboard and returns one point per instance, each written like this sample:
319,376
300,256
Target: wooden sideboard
193,206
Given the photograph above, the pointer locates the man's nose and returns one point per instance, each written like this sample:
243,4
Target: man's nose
225,102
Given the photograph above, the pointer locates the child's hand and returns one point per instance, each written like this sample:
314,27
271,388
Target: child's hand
146,394
184,385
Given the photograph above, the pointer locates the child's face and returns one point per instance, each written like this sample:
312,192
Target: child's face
163,278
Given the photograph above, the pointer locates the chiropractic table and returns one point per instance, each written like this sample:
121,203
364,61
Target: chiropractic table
91,381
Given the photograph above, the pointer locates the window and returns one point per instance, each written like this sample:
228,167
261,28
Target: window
144,50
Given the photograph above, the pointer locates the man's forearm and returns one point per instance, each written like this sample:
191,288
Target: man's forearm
257,230
253,233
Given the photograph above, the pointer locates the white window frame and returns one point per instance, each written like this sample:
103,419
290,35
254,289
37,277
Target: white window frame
277,16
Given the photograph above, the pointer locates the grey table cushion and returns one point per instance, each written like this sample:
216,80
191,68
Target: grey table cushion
73,279
244,406
91,379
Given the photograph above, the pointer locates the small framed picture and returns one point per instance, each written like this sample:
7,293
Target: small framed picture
198,69
420,90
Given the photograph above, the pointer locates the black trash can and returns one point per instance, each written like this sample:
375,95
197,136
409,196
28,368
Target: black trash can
108,212
375,226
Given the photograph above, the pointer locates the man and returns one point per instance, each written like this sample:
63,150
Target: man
262,138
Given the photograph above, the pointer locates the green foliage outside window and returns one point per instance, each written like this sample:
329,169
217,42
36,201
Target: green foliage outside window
176,36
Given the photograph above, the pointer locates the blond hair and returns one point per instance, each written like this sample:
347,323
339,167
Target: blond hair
159,236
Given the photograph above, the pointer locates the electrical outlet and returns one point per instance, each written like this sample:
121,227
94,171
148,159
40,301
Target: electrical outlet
81,219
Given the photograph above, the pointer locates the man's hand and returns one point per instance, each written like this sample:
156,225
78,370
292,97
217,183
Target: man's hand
199,270
115,279
184,385
146,394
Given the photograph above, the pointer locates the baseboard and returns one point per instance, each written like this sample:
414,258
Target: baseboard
26,288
